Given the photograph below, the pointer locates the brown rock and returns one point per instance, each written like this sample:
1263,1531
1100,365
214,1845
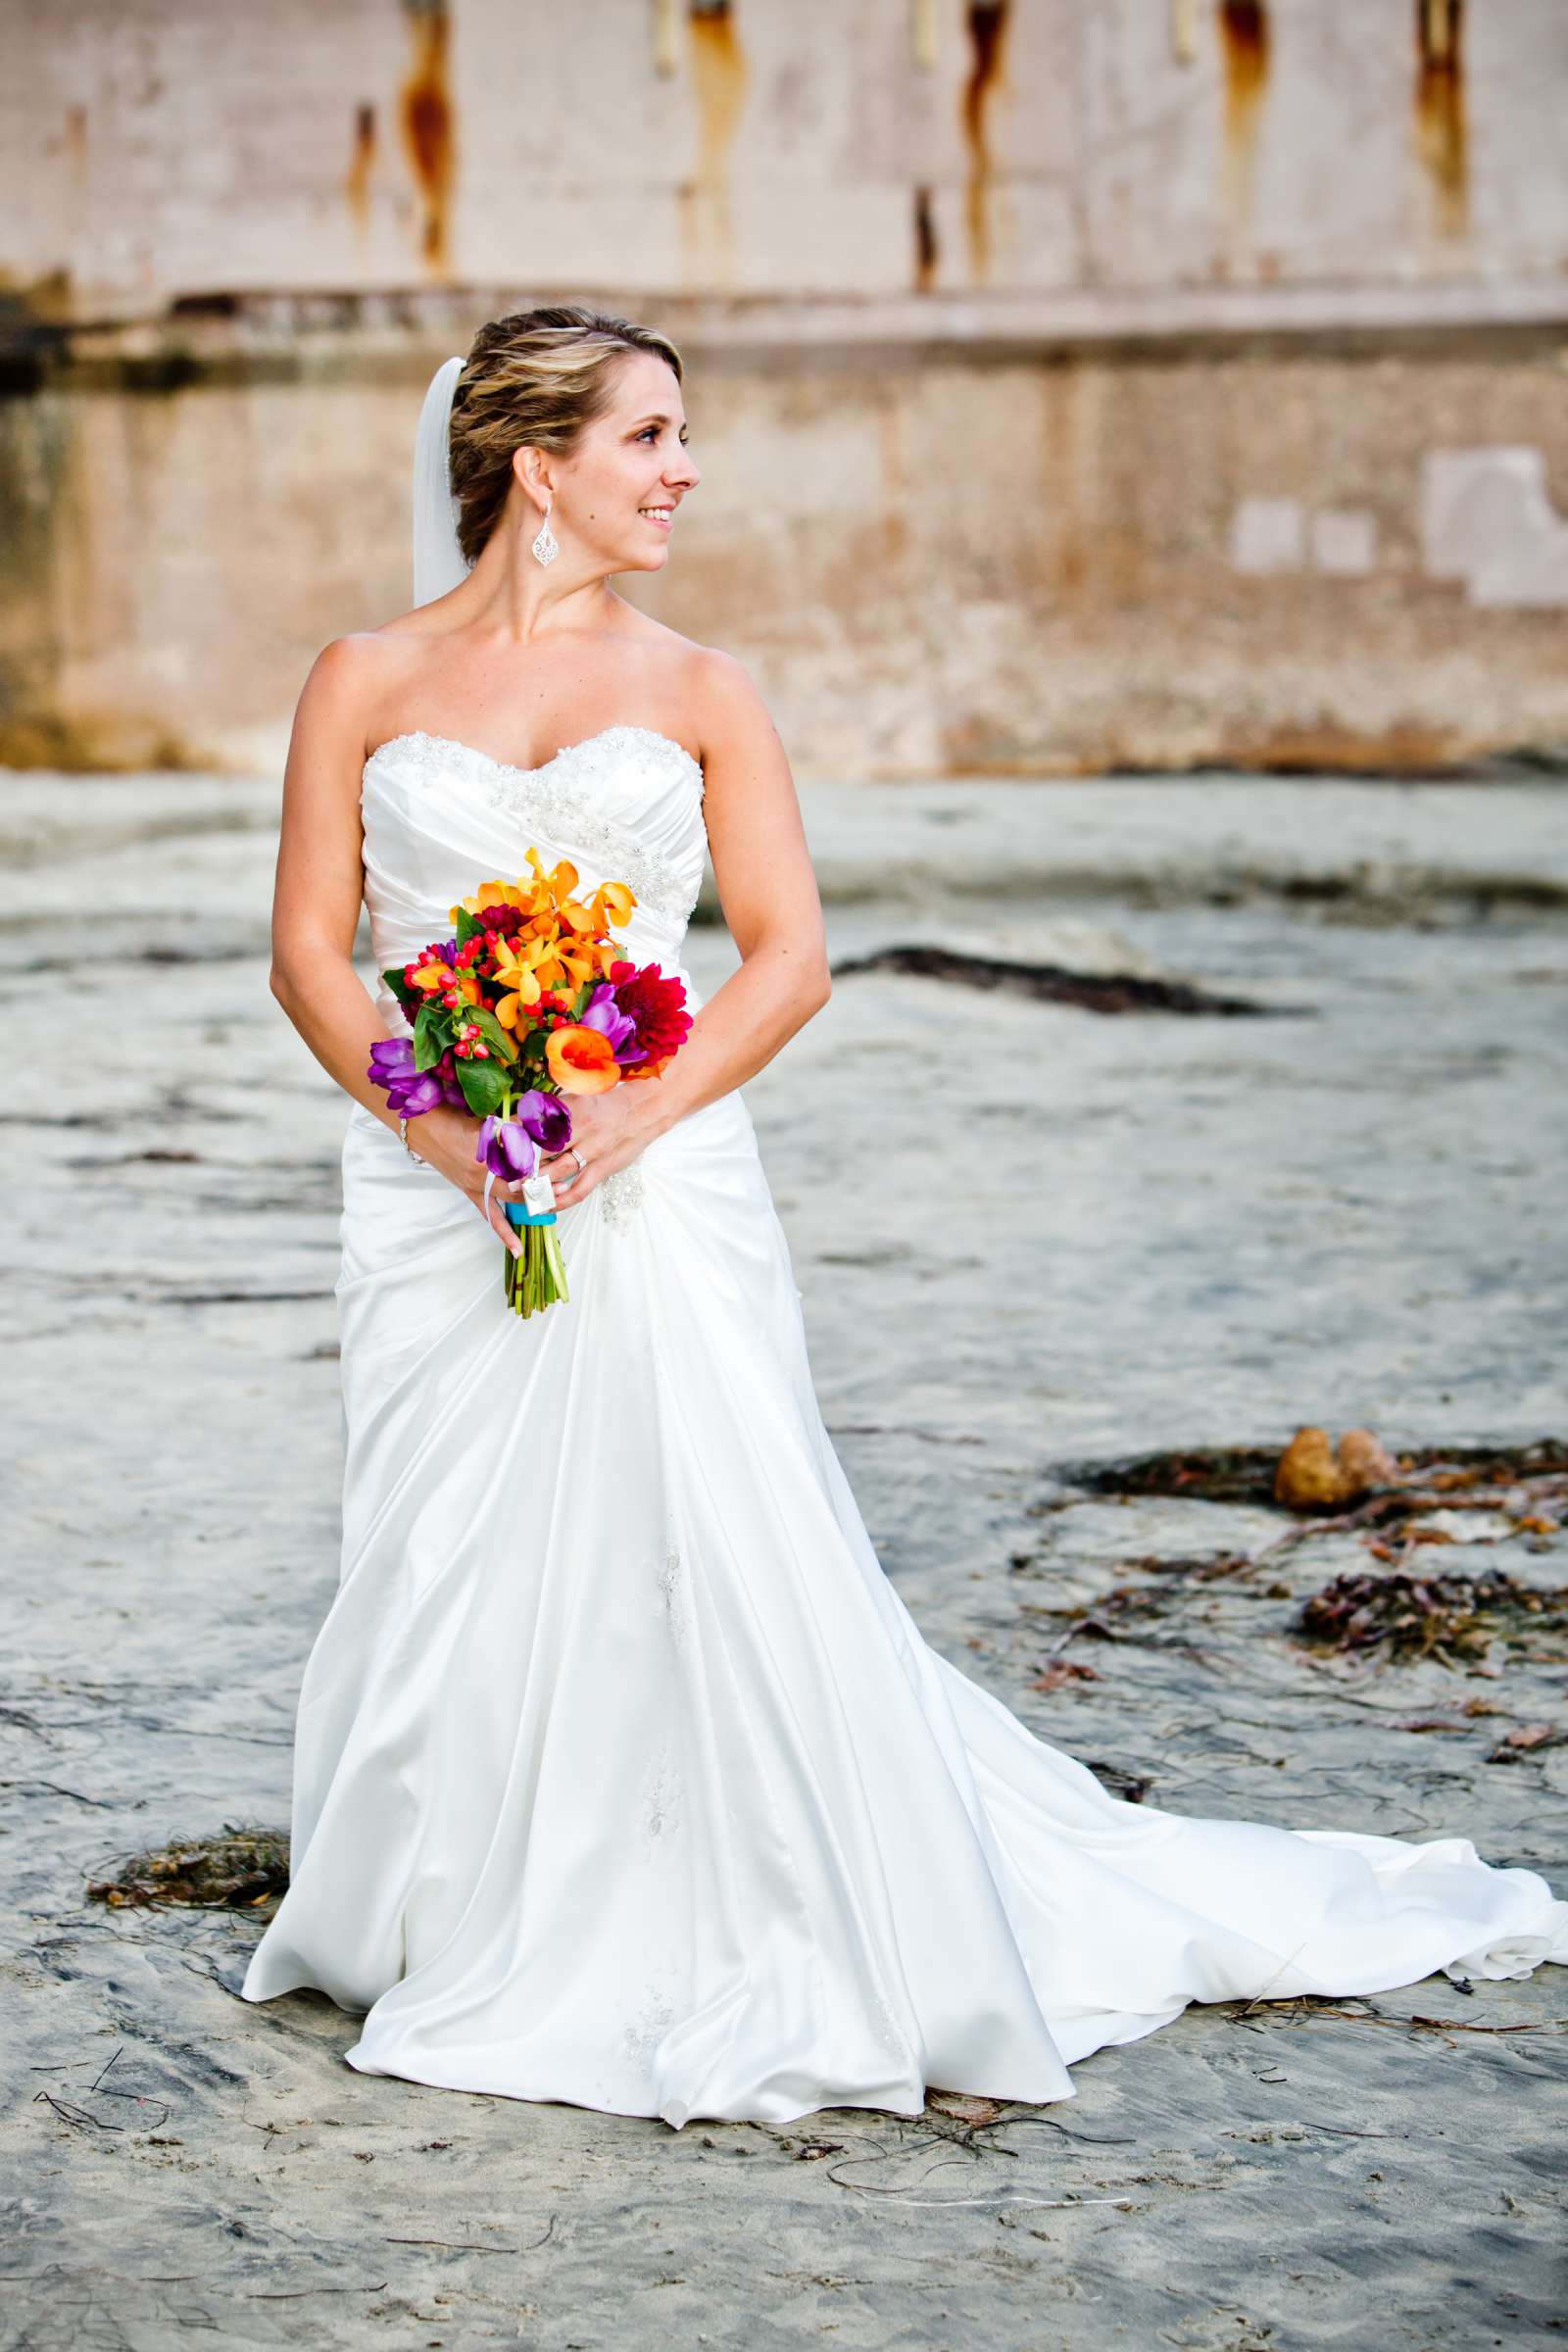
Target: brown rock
1309,1476
1364,1463
1314,1476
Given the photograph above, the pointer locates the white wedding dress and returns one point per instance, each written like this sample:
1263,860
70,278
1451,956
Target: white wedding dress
623,1775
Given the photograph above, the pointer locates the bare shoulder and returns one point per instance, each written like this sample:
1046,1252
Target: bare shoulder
349,678
345,669
712,697
730,717
328,744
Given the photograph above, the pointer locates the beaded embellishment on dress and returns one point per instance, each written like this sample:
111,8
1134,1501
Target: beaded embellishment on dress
621,1194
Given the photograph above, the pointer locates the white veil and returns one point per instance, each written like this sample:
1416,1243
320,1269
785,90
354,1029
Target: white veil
439,565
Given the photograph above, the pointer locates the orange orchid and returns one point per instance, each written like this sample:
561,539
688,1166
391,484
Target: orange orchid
562,943
548,905
518,973
489,893
536,898
561,879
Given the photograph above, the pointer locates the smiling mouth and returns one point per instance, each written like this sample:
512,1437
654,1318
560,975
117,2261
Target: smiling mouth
663,517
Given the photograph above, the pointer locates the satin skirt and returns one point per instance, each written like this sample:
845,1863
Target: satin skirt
623,1775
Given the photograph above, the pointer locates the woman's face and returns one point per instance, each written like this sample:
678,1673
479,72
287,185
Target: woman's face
617,496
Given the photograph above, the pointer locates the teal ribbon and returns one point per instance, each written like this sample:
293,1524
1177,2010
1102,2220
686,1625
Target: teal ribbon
518,1214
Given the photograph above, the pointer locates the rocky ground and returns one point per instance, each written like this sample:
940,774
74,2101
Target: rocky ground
1162,1230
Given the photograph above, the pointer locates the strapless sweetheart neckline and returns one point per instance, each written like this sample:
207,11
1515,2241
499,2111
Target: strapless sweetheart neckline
507,767
625,801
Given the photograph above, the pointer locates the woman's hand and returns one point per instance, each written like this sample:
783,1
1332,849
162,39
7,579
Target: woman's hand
447,1137
609,1130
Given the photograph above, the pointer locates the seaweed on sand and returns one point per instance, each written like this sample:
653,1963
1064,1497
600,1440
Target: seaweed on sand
243,1867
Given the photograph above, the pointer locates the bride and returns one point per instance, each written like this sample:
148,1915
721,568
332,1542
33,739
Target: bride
623,1775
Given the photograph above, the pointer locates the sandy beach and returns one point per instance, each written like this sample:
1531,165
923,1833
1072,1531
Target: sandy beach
1161,1231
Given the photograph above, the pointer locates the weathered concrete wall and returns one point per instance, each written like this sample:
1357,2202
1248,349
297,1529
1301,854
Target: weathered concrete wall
972,563
1141,384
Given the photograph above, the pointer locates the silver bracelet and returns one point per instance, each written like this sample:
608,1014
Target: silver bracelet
402,1132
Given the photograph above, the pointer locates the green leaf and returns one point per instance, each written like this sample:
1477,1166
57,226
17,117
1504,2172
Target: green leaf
432,1034
465,926
490,1029
484,1087
405,996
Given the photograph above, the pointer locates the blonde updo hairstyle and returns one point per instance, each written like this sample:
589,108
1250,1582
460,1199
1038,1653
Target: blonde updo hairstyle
535,379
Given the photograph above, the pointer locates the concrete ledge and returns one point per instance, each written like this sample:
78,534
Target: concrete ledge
1155,840
320,334
1170,840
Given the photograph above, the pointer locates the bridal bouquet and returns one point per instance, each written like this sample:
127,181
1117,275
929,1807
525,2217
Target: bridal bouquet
528,1002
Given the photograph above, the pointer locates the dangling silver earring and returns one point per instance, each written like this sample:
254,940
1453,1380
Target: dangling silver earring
546,546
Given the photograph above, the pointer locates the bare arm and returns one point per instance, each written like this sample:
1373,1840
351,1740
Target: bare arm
315,910
770,899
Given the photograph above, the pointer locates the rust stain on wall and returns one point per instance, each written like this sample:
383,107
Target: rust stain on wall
987,25
428,131
1244,39
718,79
1442,131
76,141
925,242
356,183
719,71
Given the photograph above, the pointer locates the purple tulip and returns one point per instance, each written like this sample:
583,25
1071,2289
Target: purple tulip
545,1117
389,1057
508,1148
414,1095
603,1012
407,1091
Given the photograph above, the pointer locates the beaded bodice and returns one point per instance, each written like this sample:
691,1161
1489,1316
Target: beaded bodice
441,816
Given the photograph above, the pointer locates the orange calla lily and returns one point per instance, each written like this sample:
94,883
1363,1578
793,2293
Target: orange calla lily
582,1061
